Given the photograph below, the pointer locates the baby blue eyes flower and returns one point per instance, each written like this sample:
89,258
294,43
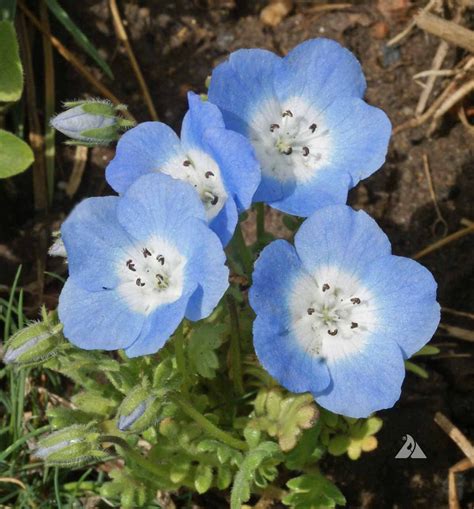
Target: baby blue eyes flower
139,264
220,164
337,314
313,135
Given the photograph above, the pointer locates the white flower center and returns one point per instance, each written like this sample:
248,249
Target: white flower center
203,173
331,313
151,275
290,139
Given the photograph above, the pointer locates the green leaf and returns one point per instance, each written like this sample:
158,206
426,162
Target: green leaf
313,491
244,477
11,71
204,340
79,36
15,155
414,368
203,478
427,350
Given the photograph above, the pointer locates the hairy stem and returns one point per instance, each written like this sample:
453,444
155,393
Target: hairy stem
205,424
235,339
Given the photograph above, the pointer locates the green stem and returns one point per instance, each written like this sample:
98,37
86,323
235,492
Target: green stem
205,424
244,252
135,456
260,207
235,340
179,350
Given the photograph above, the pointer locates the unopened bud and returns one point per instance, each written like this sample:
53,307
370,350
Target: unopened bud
93,122
138,410
35,343
75,445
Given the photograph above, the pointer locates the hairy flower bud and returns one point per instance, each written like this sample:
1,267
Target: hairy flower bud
33,344
93,122
138,410
75,445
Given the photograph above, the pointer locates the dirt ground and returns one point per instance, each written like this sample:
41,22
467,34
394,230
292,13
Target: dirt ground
177,44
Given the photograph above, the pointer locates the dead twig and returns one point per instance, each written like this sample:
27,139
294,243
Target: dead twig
459,467
449,31
455,312
80,160
123,37
440,219
455,435
395,40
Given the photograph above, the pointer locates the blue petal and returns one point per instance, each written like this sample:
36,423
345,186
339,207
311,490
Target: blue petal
405,299
319,70
141,150
325,189
209,271
359,136
201,116
340,236
366,381
97,320
157,204
285,360
242,84
94,240
158,328
275,270
236,159
225,222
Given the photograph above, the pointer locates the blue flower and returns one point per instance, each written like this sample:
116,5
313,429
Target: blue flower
219,163
314,136
138,264
337,314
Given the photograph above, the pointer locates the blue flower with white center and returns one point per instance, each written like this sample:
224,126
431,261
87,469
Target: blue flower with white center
314,136
220,164
138,264
337,314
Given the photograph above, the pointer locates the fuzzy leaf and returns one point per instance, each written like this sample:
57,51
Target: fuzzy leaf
11,71
204,340
418,370
16,156
243,479
313,491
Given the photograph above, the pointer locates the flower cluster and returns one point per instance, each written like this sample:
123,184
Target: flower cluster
337,314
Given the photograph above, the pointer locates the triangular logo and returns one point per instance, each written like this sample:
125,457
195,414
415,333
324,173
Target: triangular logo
410,449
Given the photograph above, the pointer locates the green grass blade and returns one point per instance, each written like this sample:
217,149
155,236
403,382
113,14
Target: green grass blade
79,36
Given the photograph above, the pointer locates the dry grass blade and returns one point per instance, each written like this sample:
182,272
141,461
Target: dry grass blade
455,435
80,160
13,481
74,61
458,332
440,219
455,312
123,37
449,31
443,242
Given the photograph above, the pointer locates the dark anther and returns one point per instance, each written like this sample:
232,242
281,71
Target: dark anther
325,287
288,151
287,113
310,311
332,332
146,252
305,151
313,127
215,199
161,259
273,127
160,278
355,300
187,162
139,282
209,174
354,325
131,265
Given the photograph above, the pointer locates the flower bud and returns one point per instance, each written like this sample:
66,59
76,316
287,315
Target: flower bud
93,122
75,445
138,410
33,344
